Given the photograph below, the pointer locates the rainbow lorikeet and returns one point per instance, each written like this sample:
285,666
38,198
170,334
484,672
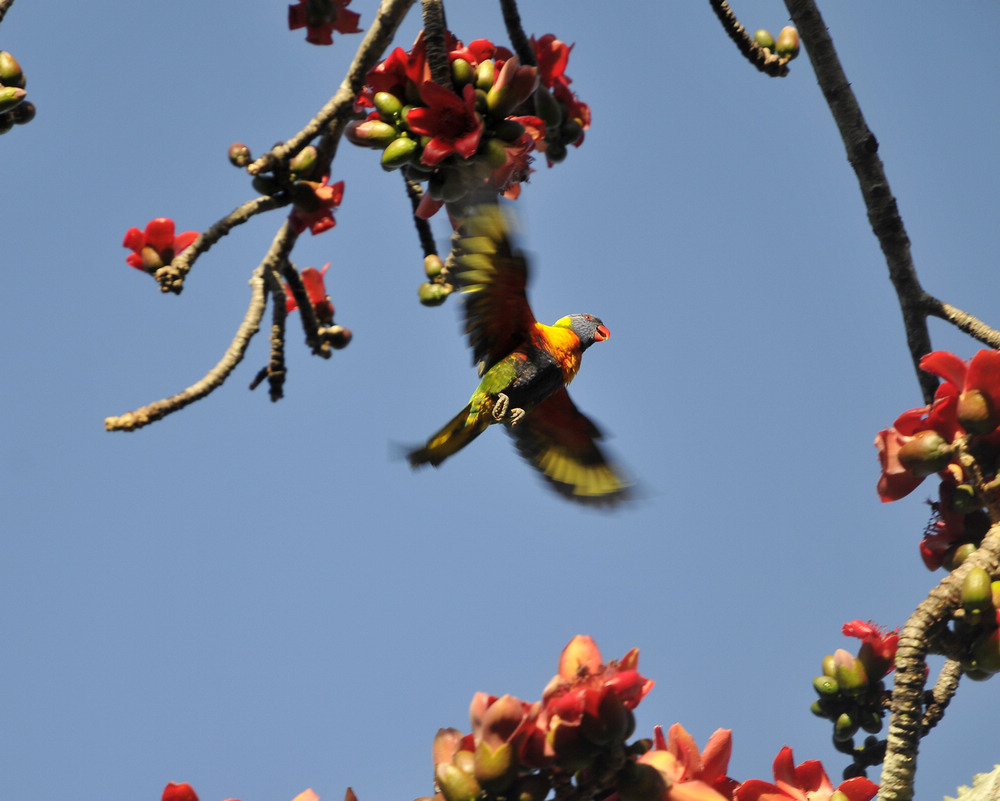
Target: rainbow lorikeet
525,367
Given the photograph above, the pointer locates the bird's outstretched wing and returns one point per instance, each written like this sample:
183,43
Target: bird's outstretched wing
492,276
561,442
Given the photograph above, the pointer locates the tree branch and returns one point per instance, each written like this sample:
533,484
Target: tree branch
515,32
862,153
763,59
5,7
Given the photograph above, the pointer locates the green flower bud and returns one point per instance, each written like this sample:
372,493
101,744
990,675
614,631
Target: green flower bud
397,153
817,709
995,591
547,108
10,71
485,72
265,184
495,770
977,675
387,104
239,154
494,152
462,73
844,728
370,133
851,674
570,132
508,130
957,554
976,413
925,454
986,653
304,161
433,266
10,97
826,686
482,102
304,197
456,784
977,594
871,721
963,499
23,113
434,294
838,795
788,42
640,782
555,152
829,666
764,39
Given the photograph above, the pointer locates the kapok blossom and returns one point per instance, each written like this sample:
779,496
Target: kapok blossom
321,18
807,782
690,774
450,120
878,647
156,246
179,792
312,280
316,213
553,56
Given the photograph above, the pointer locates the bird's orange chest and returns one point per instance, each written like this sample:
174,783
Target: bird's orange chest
562,344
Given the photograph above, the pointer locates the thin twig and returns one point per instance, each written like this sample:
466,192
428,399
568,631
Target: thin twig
310,325
171,276
862,153
414,192
130,421
763,59
336,112
942,694
963,321
515,32
276,369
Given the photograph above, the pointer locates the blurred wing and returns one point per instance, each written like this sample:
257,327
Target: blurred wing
561,442
492,277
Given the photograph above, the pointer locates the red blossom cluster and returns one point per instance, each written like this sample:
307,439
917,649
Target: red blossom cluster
478,132
321,18
314,203
963,417
156,246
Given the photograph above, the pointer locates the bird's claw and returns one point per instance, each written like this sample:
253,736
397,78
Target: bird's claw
502,410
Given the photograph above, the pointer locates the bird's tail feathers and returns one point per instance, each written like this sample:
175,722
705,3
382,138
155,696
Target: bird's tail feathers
458,433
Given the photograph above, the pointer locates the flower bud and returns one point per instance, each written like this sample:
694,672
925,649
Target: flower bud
995,591
829,666
977,594
239,154
957,554
608,725
304,161
6,121
817,709
265,184
23,113
851,674
434,294
547,108
844,728
640,782
570,132
838,795
10,97
484,75
151,260
10,71
788,42
926,453
462,73
508,130
304,197
433,266
495,152
387,104
370,133
871,721
764,39
555,152
976,413
456,784
986,653
963,499
826,686
397,153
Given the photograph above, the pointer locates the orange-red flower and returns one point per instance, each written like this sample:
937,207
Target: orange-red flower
179,792
313,280
315,212
553,56
321,18
976,383
807,782
878,647
689,774
156,246
450,120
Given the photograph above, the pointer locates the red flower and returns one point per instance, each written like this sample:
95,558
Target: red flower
315,211
807,782
316,290
322,18
451,122
553,56
156,246
878,647
691,775
179,792
977,384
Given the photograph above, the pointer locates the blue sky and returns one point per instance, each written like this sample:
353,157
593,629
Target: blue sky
259,597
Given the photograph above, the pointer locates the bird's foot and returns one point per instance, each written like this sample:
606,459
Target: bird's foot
502,410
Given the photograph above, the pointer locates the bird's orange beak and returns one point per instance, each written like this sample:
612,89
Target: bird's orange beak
601,333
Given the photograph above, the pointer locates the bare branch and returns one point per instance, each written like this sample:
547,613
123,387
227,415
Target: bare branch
5,7
763,59
862,153
435,28
963,321
942,694
518,39
130,421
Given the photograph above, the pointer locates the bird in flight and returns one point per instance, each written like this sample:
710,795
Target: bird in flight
525,366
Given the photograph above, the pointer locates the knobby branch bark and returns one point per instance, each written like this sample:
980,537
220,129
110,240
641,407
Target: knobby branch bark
862,153
515,32
767,62
5,7
278,252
